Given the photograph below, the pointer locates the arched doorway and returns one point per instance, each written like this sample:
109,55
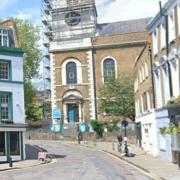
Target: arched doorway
73,107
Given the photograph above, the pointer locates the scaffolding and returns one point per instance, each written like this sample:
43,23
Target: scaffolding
68,19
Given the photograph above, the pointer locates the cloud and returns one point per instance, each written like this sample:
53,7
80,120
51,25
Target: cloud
32,14
116,10
5,4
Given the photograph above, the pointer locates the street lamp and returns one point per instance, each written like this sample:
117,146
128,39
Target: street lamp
124,124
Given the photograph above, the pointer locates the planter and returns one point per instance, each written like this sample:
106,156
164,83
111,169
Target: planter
83,128
175,142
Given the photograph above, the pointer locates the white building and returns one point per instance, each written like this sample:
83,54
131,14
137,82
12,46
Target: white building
164,30
12,115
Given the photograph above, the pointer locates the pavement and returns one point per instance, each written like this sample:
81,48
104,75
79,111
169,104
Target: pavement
31,159
21,165
156,167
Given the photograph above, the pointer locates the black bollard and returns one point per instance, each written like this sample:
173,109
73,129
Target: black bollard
10,162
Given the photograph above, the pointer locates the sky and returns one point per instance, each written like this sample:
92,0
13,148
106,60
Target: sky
108,10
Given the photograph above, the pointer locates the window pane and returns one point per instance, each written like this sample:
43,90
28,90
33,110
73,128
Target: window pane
2,143
109,69
71,73
4,70
5,43
14,143
4,31
4,107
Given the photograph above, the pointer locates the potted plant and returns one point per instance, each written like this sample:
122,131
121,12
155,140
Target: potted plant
174,131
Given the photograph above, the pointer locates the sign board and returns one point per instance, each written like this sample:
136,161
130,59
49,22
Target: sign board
56,128
56,113
42,155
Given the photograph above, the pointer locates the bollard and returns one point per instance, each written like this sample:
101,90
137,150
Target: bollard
113,145
10,162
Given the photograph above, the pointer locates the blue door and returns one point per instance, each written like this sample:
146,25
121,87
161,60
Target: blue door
72,111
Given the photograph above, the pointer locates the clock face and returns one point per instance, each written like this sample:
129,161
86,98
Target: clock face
72,18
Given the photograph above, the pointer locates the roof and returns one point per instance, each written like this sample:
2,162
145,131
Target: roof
122,27
11,51
12,31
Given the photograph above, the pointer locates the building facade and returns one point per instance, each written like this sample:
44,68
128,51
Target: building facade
84,54
12,115
164,30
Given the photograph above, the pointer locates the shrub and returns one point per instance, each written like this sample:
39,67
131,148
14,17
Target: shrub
112,126
170,130
98,127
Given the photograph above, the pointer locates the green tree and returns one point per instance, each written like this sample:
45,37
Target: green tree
117,97
112,126
28,40
98,127
29,93
28,36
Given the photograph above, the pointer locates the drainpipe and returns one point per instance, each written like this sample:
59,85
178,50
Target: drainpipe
167,47
94,80
152,76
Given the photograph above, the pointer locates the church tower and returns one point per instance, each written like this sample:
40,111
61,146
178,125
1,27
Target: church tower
69,20
69,27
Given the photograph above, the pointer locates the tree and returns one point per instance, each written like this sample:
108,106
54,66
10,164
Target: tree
28,37
98,127
28,40
29,93
117,97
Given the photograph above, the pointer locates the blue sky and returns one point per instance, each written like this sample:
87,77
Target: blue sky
26,9
108,10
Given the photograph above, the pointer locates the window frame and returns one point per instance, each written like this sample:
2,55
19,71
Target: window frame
10,107
9,74
163,35
105,78
172,26
18,142
2,35
178,18
155,41
75,79
4,142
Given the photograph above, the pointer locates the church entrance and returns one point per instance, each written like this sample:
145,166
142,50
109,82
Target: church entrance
73,113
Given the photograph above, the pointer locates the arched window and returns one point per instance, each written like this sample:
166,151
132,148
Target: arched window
71,73
109,69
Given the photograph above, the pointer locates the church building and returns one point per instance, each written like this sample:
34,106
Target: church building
84,54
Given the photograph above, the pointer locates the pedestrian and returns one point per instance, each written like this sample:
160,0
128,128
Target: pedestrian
79,135
120,142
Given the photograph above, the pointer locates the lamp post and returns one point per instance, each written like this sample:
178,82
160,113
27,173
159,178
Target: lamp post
124,124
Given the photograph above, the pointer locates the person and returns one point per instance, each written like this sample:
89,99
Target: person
120,142
79,135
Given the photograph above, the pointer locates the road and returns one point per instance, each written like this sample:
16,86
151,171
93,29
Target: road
76,163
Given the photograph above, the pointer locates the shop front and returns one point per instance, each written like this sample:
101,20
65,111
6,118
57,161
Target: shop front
11,144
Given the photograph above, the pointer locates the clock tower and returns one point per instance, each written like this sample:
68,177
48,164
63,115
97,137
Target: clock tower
70,20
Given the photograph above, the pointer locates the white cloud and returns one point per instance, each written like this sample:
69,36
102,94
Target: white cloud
6,4
32,14
116,10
